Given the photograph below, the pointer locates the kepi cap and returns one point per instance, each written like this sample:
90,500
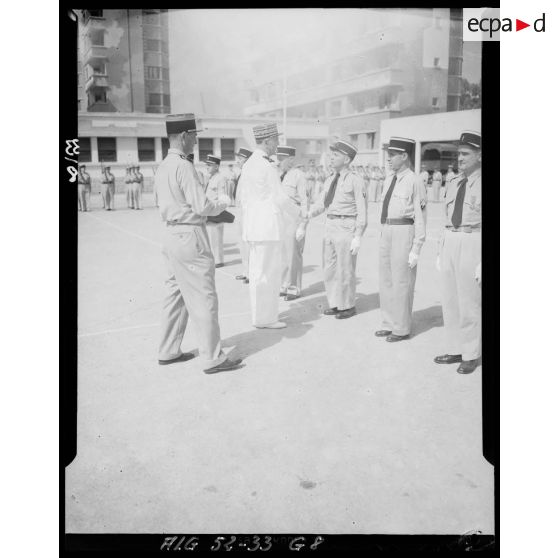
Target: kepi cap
243,152
344,147
178,123
265,131
286,150
402,144
472,139
213,159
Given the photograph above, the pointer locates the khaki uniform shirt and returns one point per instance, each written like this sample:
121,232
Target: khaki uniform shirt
180,193
408,201
349,199
472,214
294,185
216,186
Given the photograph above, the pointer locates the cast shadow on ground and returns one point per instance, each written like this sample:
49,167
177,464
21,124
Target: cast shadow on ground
426,319
232,262
231,251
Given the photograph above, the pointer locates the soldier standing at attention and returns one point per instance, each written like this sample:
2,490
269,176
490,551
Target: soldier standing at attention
241,157
84,189
111,186
460,259
139,177
216,188
105,192
128,181
293,183
436,185
402,234
344,201
137,181
190,281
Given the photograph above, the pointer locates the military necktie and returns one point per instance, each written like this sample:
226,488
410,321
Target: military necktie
283,176
331,191
457,214
385,206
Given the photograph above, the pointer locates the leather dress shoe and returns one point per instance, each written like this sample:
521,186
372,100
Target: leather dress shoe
382,333
331,311
343,314
220,265
291,297
274,325
467,366
225,365
240,277
182,358
247,280
282,293
447,359
394,338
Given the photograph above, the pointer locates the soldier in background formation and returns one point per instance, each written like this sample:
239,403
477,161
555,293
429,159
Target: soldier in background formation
128,181
215,189
293,183
344,201
459,259
436,185
403,232
137,187
242,156
107,189
84,189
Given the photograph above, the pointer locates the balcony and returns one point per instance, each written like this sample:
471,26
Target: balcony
96,82
365,82
95,52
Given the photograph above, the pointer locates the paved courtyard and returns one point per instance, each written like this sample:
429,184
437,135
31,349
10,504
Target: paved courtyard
327,428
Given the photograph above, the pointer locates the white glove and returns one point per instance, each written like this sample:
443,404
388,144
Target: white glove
300,232
355,245
478,274
223,198
413,259
438,263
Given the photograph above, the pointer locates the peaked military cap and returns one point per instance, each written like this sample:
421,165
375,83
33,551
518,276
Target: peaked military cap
401,144
473,139
344,147
243,152
213,159
286,150
265,131
178,123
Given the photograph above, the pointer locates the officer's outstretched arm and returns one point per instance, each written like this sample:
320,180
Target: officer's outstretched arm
195,194
361,205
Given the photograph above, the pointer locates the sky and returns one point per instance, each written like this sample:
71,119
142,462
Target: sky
211,50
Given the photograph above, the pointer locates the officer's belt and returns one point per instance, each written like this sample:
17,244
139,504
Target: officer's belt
330,216
175,224
402,221
464,228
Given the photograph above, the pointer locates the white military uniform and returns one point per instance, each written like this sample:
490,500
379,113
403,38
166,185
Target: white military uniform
243,245
265,211
436,185
460,255
346,218
216,186
404,230
294,185
190,281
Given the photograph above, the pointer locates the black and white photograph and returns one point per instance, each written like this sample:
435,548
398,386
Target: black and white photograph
279,276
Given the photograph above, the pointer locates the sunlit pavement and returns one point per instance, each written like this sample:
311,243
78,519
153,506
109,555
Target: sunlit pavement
327,429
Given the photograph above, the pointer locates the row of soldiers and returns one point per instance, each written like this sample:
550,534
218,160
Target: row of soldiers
134,188
273,218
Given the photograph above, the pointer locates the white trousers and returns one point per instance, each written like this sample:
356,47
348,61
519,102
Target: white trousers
243,245
265,281
216,232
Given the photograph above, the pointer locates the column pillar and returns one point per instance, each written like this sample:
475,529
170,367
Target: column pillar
158,149
94,151
217,147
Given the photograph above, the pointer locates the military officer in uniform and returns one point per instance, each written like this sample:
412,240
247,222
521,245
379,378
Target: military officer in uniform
344,199
402,234
266,212
460,259
293,182
105,190
436,185
84,189
128,180
216,188
190,281
137,186
241,157
111,186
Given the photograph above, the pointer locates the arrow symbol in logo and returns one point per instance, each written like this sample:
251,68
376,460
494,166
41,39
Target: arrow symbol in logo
519,25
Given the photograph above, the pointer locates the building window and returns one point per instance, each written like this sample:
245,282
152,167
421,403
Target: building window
436,62
97,69
370,140
166,100
165,146
353,138
155,99
151,17
146,149
335,108
107,149
95,13
97,96
152,45
435,102
84,150
164,47
227,149
97,37
165,73
205,148
152,72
